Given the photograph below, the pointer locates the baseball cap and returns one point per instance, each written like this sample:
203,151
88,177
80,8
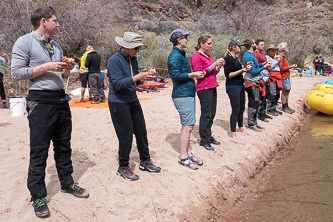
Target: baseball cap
233,43
177,33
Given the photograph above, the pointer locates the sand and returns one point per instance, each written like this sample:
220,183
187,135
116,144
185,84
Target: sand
175,194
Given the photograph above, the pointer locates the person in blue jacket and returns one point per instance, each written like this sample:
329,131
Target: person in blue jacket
183,94
125,109
251,80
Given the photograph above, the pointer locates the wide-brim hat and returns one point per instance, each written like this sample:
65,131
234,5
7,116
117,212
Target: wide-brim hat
271,46
89,49
130,40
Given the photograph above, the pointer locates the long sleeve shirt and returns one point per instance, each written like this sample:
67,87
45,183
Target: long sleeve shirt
284,67
29,52
200,62
256,68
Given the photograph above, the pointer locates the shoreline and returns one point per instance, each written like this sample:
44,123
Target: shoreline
175,194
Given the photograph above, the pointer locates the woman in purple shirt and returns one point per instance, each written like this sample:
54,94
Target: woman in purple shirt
206,89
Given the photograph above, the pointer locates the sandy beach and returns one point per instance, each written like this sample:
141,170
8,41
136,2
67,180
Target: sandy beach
177,193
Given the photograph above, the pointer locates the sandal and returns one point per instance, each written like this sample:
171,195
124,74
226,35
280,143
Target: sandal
197,161
181,162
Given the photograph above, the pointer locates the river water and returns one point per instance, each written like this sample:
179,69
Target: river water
298,184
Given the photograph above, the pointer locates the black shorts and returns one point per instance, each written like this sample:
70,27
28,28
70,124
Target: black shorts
84,80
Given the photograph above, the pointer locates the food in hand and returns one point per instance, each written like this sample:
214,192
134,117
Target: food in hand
269,61
248,66
152,71
67,60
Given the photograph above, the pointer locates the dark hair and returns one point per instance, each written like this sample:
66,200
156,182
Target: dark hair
258,41
38,14
248,43
202,39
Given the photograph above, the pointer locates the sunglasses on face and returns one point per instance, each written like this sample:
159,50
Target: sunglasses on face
137,48
183,37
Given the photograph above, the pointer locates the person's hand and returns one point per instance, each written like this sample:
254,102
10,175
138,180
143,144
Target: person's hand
220,62
294,66
246,68
146,76
58,66
270,68
266,66
198,75
2,54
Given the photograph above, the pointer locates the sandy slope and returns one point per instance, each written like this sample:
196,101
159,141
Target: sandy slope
177,193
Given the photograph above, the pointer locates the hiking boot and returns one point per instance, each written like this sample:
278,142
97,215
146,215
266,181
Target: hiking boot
287,110
102,100
291,110
41,208
127,173
4,105
76,191
278,112
147,165
262,118
272,113
207,146
96,102
267,116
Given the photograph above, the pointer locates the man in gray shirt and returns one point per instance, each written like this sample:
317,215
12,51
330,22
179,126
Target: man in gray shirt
38,59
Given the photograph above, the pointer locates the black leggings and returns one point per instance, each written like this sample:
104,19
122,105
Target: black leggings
237,101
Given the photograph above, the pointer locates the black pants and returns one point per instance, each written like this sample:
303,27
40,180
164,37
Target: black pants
208,101
237,102
127,120
49,122
2,91
253,95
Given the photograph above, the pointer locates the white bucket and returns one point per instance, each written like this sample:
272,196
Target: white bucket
17,106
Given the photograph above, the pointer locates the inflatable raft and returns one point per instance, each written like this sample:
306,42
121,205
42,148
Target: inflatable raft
324,87
321,101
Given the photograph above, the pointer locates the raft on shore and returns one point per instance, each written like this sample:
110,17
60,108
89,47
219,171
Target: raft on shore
320,100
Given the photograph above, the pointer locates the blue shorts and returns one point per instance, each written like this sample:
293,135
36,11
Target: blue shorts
186,109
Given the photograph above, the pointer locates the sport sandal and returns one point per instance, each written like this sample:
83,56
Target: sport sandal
189,164
196,160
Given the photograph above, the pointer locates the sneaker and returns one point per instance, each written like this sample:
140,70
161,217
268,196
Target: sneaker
76,191
102,100
272,113
127,173
41,208
96,102
254,128
215,142
147,165
207,146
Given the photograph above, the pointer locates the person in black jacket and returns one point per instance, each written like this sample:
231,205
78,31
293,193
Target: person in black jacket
235,88
93,63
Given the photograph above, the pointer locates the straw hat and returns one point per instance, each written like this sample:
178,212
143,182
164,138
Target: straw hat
130,40
89,49
271,46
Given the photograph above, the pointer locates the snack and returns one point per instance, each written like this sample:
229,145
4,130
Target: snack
248,66
152,71
67,60
270,61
